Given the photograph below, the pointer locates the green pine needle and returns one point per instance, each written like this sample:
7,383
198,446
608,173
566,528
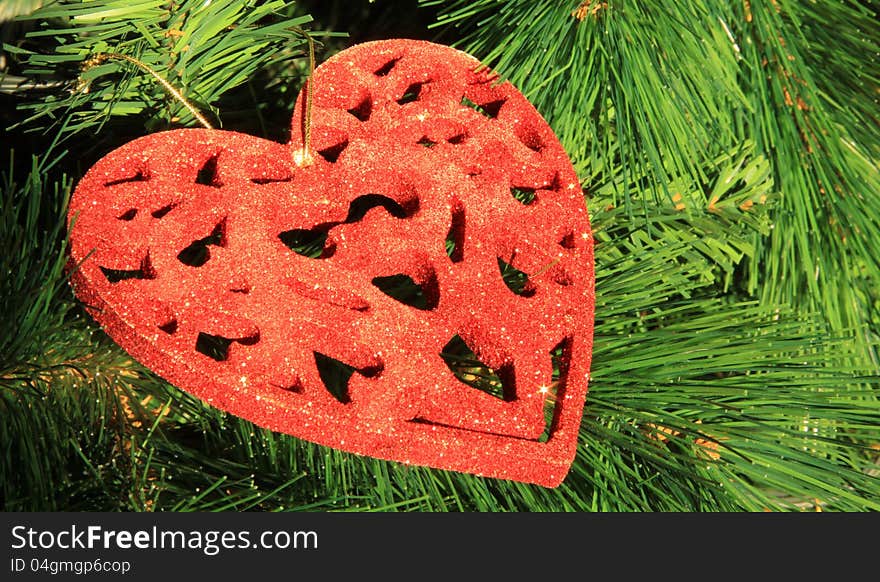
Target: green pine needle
204,49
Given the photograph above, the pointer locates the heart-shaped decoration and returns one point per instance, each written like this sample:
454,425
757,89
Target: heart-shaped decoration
334,301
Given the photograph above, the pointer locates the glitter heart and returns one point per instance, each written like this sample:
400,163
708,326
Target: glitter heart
441,225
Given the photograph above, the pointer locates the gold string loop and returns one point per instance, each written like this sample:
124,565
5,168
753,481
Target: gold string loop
103,57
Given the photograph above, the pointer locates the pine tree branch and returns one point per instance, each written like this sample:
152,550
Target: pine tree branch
618,85
832,184
206,50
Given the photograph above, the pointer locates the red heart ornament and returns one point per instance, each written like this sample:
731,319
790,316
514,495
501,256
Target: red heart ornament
246,280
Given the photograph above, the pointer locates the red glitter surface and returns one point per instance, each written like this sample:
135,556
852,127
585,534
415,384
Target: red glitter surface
426,167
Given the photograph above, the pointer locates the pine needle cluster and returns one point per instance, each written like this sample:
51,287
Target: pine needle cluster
728,153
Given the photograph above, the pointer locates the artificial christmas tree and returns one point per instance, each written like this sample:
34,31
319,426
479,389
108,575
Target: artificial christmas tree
728,156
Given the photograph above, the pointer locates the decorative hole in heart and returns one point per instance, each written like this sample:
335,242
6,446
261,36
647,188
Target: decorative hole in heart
161,212
363,204
363,109
308,243
457,138
140,176
454,242
386,68
490,110
523,195
567,241
169,327
197,253
262,181
332,153
404,289
411,93
217,347
516,280
319,299
207,175
469,370
128,214
335,376
143,271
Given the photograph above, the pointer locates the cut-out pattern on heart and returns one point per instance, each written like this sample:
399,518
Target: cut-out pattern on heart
330,302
